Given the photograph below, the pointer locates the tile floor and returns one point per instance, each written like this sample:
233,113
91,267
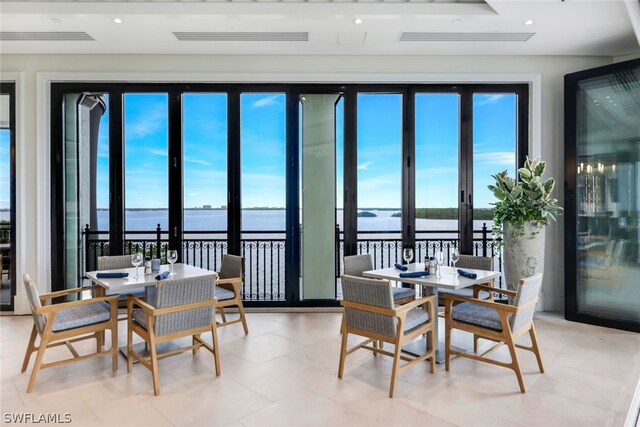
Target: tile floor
285,374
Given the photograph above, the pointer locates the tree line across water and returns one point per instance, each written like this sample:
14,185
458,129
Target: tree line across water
448,213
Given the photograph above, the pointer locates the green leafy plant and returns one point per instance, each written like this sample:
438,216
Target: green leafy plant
526,200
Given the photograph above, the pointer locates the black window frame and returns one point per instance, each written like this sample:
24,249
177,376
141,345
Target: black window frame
9,88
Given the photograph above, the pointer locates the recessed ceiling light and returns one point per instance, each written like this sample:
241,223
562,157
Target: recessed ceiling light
528,22
117,20
357,21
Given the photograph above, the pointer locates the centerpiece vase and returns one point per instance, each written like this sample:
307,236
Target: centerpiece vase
523,252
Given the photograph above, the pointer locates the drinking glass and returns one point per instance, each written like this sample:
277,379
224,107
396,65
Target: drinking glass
172,257
439,261
136,260
455,256
407,255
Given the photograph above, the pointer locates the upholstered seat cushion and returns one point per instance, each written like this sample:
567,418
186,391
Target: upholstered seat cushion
224,294
122,294
140,317
82,315
401,293
415,318
464,292
477,314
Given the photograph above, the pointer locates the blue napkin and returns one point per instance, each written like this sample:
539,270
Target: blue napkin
467,274
400,266
162,275
415,274
111,275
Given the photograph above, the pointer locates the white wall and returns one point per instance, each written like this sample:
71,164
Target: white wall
545,74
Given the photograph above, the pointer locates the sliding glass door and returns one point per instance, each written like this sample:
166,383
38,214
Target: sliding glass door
7,195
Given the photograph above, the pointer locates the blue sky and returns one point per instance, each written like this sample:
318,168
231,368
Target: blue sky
263,150
4,168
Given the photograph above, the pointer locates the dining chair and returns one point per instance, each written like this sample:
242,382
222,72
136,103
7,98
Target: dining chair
355,265
68,322
370,312
179,308
501,323
228,290
474,263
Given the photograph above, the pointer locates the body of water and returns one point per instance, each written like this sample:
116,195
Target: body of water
269,220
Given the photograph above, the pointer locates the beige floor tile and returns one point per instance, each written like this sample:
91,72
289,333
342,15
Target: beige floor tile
305,409
545,409
262,347
133,416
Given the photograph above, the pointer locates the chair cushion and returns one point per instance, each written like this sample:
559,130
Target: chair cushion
464,292
415,318
223,294
477,314
400,293
140,317
82,315
122,295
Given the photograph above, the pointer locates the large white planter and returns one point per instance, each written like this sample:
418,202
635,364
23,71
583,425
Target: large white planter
523,254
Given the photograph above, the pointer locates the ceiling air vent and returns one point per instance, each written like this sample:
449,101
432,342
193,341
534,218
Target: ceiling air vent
465,37
56,36
243,36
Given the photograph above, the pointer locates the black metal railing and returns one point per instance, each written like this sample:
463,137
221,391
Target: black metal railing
263,252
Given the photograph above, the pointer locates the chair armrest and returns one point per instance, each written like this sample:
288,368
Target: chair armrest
232,284
56,294
449,299
370,308
47,309
415,303
133,300
483,287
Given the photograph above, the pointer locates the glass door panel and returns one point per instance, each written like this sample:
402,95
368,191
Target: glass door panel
608,196
263,195
204,127
379,134
437,136
7,196
318,122
146,170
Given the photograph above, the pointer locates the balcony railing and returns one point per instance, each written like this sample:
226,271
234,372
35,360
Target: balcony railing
263,252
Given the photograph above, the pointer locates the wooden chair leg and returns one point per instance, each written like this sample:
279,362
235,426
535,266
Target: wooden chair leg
30,348
394,369
514,361
343,351
475,343
194,342
114,345
224,318
36,367
216,355
154,367
129,346
244,319
432,360
447,345
536,349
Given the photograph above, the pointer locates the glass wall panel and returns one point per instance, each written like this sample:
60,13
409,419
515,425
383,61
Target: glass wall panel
494,148
102,170
437,136
379,133
263,196
146,139
318,161
7,277
204,127
608,196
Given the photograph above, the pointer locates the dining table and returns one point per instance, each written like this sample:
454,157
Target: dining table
135,279
447,279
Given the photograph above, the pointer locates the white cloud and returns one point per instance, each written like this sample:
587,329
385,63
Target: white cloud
156,152
365,165
145,124
265,102
492,158
196,161
487,99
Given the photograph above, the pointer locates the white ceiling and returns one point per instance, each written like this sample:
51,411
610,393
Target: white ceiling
571,27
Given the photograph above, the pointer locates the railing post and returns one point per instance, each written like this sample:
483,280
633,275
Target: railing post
87,252
337,250
158,241
484,239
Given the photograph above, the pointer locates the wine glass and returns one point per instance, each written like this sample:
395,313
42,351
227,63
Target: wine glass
136,260
439,261
455,256
172,257
407,255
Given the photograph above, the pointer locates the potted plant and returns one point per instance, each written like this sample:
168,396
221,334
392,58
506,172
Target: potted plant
521,213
